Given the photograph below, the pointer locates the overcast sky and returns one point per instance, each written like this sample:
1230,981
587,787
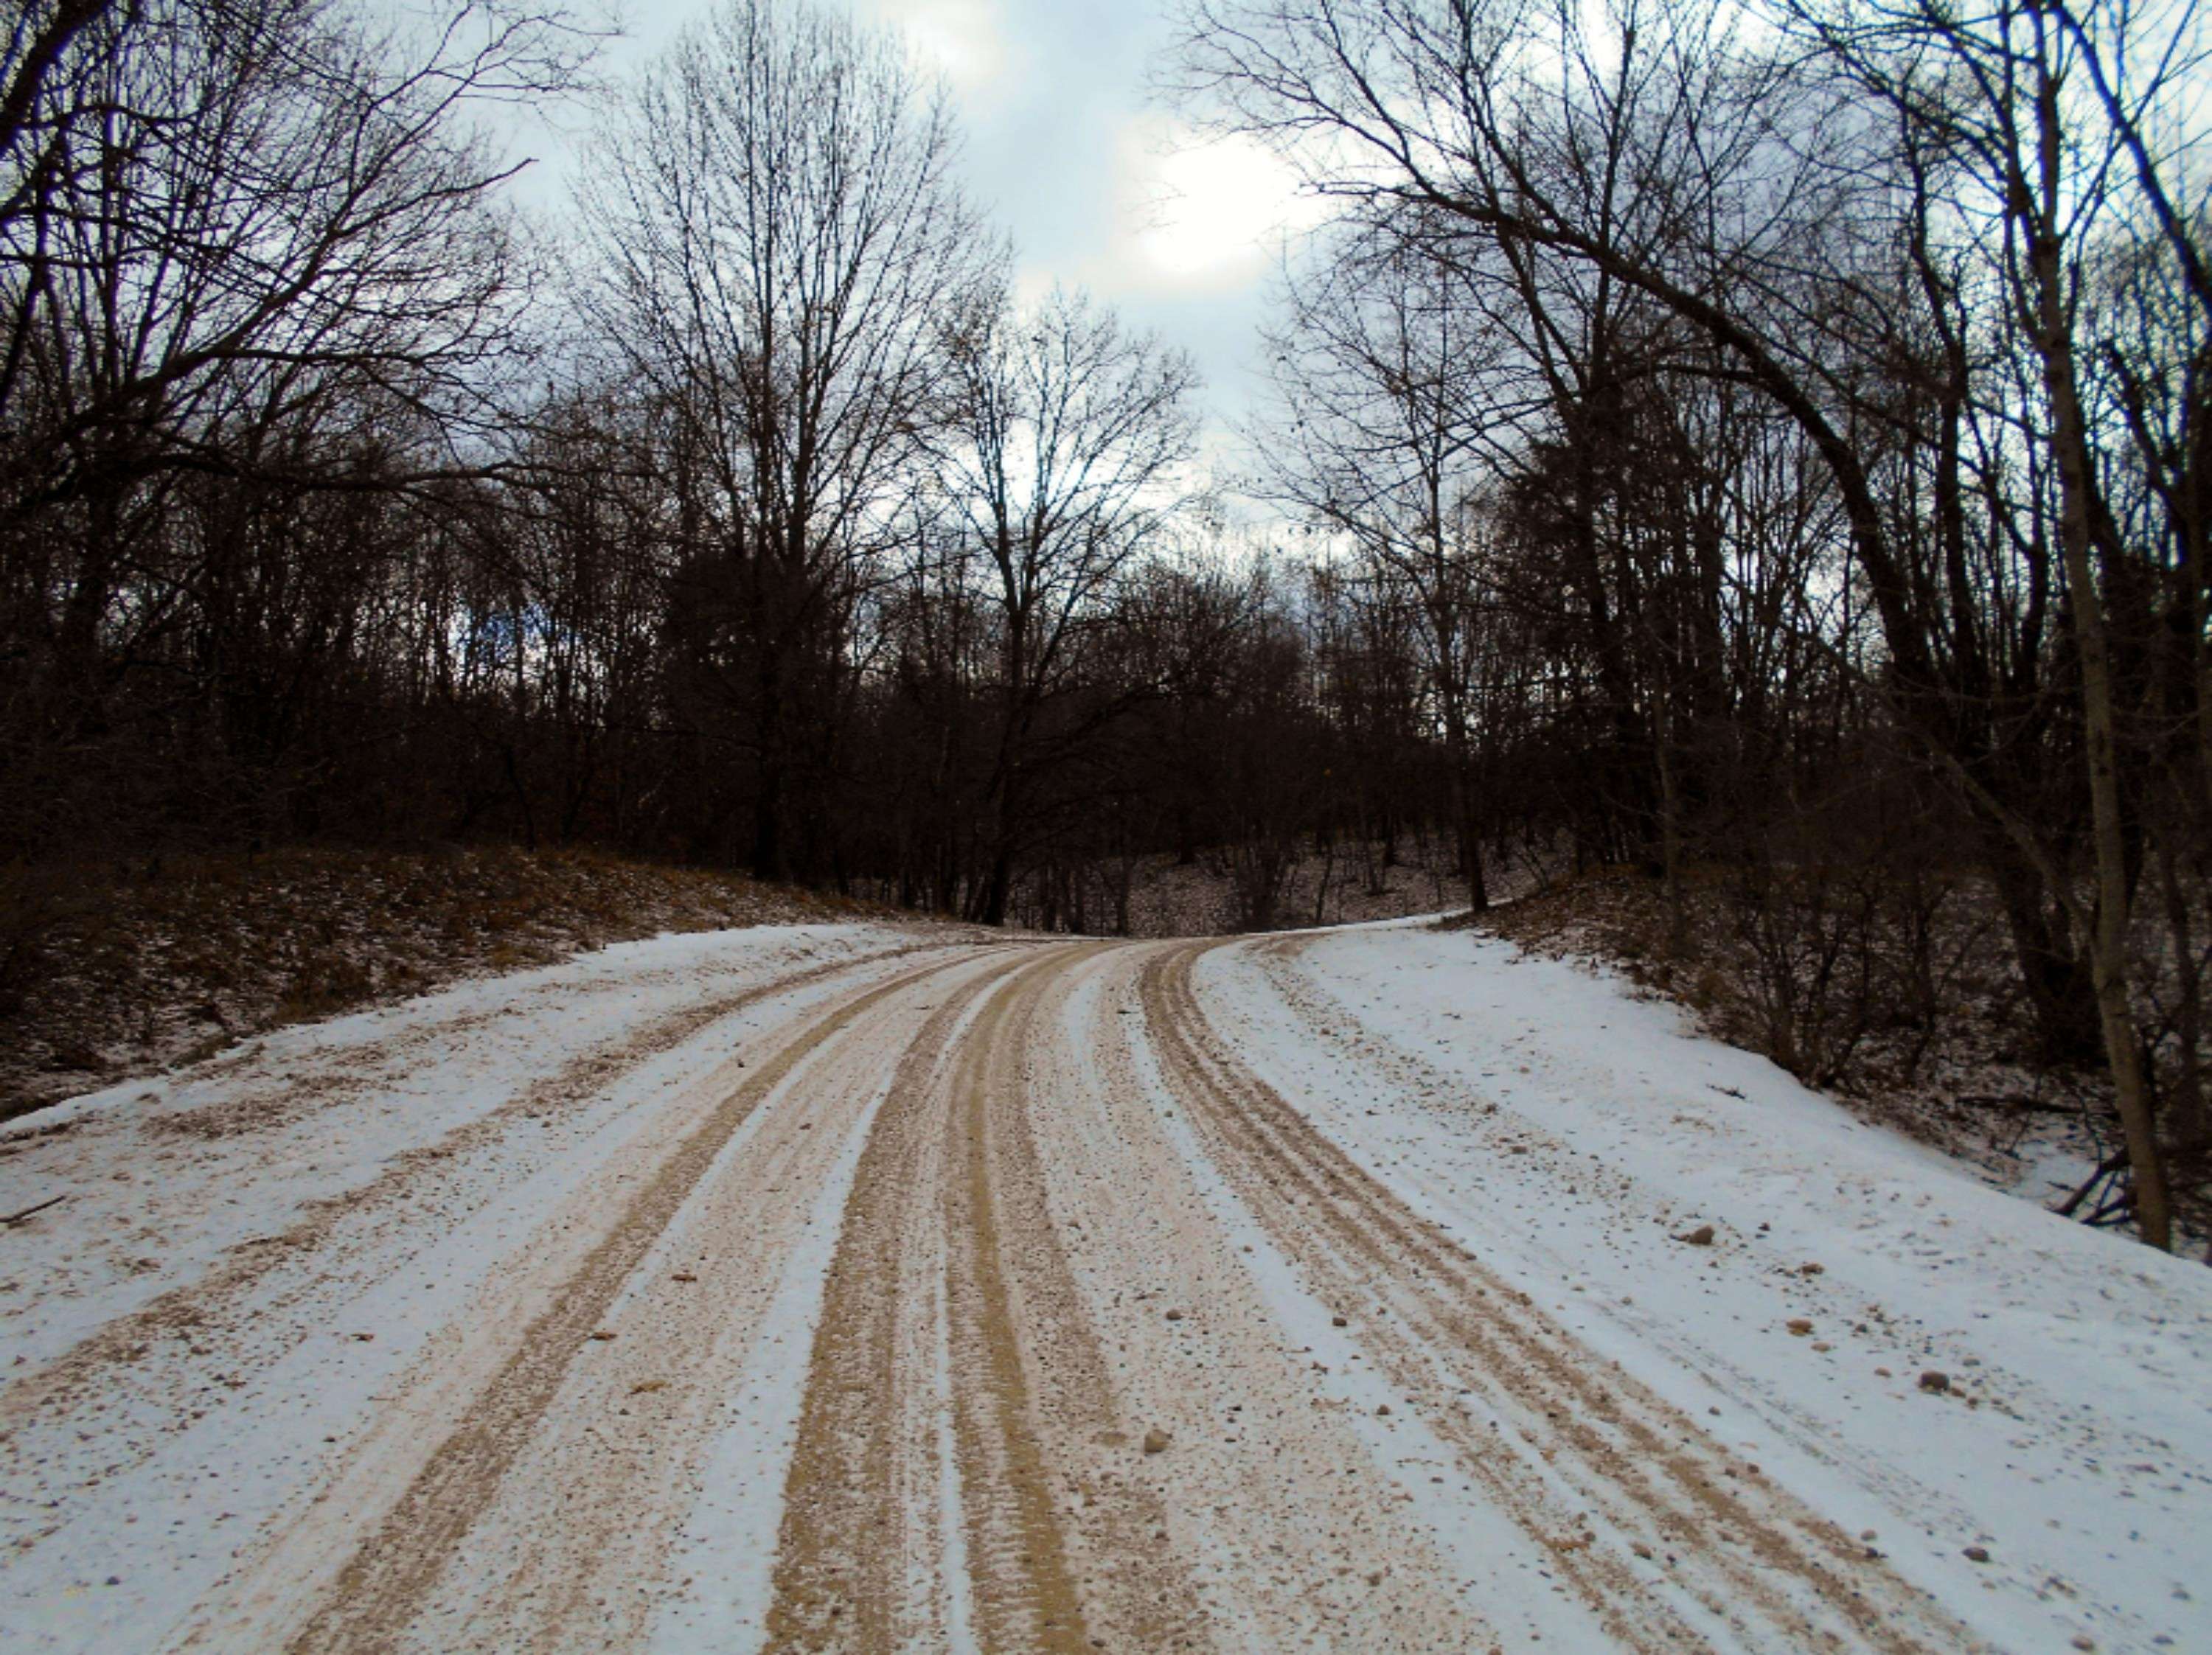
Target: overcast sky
1099,186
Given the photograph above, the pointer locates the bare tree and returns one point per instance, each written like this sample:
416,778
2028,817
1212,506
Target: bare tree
2059,130
1061,456
235,240
781,229
1753,195
1389,424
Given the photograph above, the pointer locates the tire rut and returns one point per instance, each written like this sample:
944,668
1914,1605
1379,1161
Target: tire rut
395,1567
1024,1585
1330,1023
860,1461
128,1367
949,1240
1590,1439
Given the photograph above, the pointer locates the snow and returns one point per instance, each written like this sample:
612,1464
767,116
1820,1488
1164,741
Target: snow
2076,1446
1559,1126
177,1466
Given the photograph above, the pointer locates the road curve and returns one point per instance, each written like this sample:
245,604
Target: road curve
966,1297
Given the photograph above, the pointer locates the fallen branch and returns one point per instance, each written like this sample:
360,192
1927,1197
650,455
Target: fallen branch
2110,1167
53,1201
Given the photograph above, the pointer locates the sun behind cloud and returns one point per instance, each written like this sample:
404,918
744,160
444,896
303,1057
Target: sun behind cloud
1201,212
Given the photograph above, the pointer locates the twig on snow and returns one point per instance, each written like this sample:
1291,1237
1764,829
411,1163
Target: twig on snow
52,1201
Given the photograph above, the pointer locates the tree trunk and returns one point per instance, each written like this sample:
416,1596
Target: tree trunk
2108,940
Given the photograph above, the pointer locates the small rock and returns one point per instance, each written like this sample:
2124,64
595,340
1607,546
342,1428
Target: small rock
2083,1640
602,1337
1936,1382
1642,1550
1339,1321
1382,1412
1700,1237
1809,1269
364,1339
1800,1327
1157,1440
647,1387
1978,1554
1175,1316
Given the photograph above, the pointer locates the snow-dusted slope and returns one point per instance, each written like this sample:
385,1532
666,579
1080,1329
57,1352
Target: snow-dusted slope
1568,1131
855,1287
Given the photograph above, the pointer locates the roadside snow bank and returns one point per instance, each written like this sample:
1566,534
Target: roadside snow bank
1570,1134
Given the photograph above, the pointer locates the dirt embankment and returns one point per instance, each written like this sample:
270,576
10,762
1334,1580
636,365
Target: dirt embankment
112,969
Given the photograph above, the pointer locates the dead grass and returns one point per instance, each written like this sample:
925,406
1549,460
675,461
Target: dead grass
109,971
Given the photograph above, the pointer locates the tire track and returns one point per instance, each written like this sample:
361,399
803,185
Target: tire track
861,1462
1590,1437
1052,1412
579,1547
128,1359
1836,1294
1307,1526
949,1239
1327,1021
397,1564
1024,1586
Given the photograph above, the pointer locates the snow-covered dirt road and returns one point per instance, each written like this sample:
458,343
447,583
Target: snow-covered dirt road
850,1287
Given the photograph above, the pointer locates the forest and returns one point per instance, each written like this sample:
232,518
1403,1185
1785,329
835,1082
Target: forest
1764,449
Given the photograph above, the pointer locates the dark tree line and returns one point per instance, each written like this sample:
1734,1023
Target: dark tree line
757,525
1769,441
1809,401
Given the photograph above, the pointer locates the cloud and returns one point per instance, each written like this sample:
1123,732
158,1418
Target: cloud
1199,213
966,40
